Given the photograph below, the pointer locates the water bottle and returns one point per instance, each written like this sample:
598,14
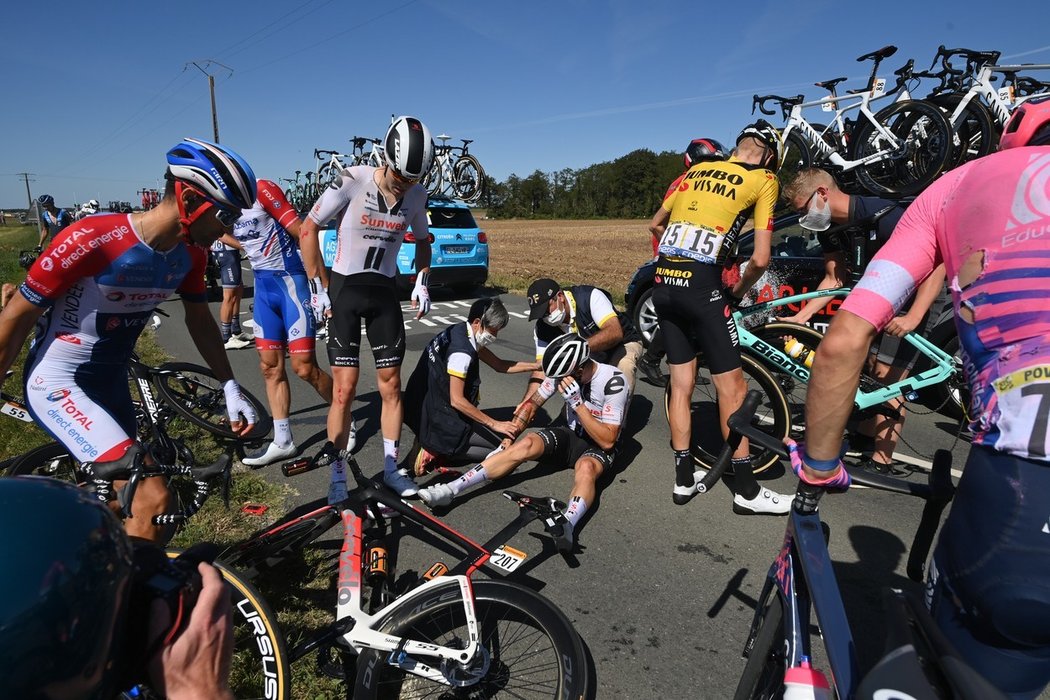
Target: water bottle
805,683
799,351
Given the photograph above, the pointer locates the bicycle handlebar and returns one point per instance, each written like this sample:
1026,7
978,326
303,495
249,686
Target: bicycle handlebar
972,56
785,103
132,468
739,427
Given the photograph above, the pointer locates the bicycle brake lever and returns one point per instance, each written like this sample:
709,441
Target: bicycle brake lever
126,495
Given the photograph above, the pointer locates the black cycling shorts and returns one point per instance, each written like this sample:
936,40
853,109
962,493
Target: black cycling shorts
229,262
694,316
373,299
562,445
988,586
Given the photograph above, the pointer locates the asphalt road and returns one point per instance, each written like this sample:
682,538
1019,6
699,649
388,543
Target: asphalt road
663,595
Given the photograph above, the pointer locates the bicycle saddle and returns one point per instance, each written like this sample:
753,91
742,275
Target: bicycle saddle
884,52
467,142
829,84
118,468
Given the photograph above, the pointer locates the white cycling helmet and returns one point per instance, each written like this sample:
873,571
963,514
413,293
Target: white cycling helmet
564,355
408,148
91,206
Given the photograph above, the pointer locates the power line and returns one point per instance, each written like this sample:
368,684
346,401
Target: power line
135,117
208,63
282,27
314,45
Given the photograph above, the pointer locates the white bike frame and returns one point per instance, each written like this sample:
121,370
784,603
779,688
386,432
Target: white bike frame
364,636
1001,101
860,103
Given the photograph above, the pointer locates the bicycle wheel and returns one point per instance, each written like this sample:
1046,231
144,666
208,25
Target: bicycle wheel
270,546
432,180
196,395
468,178
772,415
261,665
51,460
530,648
763,676
326,175
976,133
777,334
923,149
797,156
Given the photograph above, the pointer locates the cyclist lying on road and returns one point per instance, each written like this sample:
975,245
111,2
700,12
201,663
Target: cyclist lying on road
596,399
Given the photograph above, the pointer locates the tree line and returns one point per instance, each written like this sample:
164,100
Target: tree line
630,187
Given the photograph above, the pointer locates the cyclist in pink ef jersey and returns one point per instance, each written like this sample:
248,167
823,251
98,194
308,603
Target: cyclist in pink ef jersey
92,292
376,206
988,221
268,232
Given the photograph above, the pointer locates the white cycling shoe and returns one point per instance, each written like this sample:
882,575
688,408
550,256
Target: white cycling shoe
271,454
401,483
351,436
437,496
765,503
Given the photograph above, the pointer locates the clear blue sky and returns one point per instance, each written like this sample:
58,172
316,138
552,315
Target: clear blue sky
95,95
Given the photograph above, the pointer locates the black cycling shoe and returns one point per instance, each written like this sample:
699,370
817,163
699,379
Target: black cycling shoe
650,373
863,445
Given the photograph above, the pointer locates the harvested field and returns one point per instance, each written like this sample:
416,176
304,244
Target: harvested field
602,253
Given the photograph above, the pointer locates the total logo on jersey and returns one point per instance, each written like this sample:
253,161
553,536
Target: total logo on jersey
58,394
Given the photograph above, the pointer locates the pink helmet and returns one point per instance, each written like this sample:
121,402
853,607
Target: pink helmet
1029,125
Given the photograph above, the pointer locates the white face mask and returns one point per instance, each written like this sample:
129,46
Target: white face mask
484,338
817,216
555,317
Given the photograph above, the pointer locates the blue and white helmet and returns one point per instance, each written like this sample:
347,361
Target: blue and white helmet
220,174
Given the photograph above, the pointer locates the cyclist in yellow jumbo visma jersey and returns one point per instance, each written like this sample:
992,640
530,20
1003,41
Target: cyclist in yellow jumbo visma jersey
697,226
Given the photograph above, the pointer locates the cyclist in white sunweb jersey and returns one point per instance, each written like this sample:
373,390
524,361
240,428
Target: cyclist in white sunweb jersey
378,206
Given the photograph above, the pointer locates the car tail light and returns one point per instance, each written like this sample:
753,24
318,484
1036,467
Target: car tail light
482,237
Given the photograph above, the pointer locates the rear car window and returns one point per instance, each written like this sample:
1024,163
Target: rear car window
441,217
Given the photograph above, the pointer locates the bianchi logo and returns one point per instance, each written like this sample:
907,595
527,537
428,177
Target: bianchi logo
1032,196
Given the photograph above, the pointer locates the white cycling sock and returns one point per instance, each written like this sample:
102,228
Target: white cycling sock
577,507
389,455
282,432
472,477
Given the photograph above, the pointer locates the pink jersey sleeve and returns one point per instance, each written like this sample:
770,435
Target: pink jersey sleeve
903,262
275,203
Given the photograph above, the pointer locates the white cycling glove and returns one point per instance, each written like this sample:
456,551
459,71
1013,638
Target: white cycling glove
237,405
570,391
319,301
421,294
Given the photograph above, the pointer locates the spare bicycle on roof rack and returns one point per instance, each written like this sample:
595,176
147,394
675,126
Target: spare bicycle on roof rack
896,152
455,173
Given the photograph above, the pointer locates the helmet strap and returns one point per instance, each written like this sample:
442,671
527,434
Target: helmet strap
186,219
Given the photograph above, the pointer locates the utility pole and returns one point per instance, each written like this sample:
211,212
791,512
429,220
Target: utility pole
29,195
204,66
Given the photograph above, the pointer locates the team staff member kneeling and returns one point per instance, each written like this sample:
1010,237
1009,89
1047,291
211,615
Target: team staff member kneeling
596,399
698,226
96,288
589,312
378,205
441,397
